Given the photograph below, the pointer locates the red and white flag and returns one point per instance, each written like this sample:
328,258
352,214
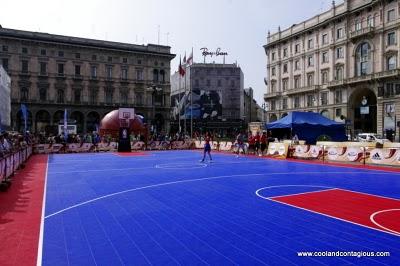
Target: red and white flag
181,70
189,60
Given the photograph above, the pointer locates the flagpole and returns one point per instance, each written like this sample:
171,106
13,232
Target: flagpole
179,103
184,104
191,100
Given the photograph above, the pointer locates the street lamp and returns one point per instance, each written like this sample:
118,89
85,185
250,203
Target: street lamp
154,90
264,106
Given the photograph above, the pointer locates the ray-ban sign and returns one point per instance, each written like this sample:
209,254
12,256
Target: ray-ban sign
205,52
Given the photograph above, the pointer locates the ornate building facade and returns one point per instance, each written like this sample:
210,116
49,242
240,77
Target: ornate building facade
89,78
343,63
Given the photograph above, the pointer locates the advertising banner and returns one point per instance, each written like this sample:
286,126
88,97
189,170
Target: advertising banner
278,150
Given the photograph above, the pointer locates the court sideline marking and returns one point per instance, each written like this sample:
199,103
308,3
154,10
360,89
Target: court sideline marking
41,232
327,215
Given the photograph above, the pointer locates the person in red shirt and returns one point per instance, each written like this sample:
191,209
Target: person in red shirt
264,142
257,143
207,147
252,142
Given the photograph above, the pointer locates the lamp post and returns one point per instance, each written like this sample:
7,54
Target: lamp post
154,90
264,107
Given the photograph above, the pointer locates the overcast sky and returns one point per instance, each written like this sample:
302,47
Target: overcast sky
237,27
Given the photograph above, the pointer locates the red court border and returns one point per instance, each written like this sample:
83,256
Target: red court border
21,214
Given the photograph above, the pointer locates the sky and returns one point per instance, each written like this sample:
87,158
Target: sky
238,27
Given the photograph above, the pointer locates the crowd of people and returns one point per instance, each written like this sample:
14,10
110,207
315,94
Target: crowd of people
11,142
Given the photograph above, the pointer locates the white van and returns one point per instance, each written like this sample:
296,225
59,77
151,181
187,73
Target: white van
371,137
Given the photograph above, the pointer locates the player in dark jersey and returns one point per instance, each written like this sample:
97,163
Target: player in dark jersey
207,147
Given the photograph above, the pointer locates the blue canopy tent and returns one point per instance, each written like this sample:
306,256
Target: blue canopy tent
309,126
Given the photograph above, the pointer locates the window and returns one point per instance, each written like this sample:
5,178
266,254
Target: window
370,21
310,100
60,96
297,82
24,68
273,105
94,57
77,70
284,103
139,74
339,33
24,94
273,86
208,82
339,73
285,68
109,59
310,79
324,98
310,61
297,48
296,103
310,43
285,83
390,15
272,56
124,74
124,60
77,55
123,97
273,71
77,96
219,83
232,83
325,58
363,59
155,75
389,90
43,94
296,65
109,72
139,98
24,50
338,112
324,75
43,52
61,53
93,96
109,95
357,25
285,54
43,68
139,62
5,63
391,38
339,52
325,39
391,62
5,48
61,69
338,96
162,75
93,72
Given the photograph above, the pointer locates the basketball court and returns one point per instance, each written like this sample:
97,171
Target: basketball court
166,207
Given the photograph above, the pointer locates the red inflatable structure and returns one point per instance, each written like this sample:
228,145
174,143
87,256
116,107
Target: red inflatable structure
110,125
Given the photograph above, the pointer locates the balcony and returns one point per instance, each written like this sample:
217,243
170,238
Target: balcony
387,74
367,31
336,83
272,94
302,89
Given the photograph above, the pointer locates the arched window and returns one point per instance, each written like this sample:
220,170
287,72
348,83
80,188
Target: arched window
162,76
370,21
391,62
363,59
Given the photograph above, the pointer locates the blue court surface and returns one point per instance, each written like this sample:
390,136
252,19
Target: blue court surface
167,208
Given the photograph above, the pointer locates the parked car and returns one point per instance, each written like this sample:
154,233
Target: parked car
370,137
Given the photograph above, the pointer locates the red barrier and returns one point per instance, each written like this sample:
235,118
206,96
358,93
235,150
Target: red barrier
10,163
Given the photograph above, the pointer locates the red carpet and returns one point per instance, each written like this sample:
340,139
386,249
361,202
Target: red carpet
130,153
350,206
20,214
